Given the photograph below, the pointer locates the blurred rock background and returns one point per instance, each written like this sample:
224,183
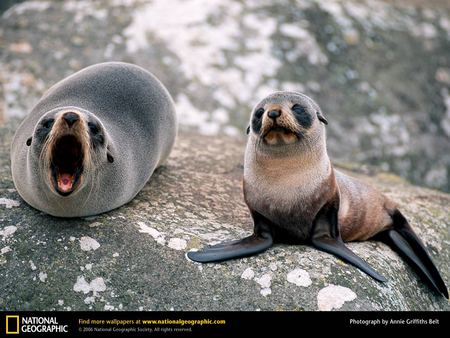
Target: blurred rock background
379,69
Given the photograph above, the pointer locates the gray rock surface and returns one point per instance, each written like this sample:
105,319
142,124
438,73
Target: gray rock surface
379,69
133,258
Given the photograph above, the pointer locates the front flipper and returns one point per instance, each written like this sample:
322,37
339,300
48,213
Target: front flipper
326,237
247,246
260,241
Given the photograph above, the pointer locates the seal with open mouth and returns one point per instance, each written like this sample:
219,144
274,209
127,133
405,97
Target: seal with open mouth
93,140
296,196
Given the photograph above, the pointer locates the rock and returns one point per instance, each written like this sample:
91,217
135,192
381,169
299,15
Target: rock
194,200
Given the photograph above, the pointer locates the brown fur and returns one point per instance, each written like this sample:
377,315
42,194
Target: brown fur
363,210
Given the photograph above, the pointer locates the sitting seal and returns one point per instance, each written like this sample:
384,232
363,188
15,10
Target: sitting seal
93,140
295,195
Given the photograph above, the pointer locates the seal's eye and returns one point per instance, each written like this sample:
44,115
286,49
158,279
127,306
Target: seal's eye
97,136
93,128
259,112
302,116
48,123
298,109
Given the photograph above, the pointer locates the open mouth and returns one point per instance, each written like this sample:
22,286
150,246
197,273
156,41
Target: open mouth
279,129
67,164
278,135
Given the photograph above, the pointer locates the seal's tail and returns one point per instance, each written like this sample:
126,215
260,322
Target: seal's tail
402,239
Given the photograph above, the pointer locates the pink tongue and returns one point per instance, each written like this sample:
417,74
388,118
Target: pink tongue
65,182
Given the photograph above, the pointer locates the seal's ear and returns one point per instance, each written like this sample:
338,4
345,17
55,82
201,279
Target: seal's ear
321,117
29,141
248,130
109,157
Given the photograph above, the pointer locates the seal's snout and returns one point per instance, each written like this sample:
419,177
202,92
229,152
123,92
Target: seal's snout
278,125
274,114
71,118
66,152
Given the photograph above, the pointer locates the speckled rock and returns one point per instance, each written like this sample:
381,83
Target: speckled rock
133,258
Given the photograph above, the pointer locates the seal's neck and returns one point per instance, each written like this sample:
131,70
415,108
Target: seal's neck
293,175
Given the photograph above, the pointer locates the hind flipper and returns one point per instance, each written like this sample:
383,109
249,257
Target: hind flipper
260,241
326,237
405,242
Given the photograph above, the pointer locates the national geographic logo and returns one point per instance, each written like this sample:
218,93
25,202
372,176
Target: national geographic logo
12,325
16,324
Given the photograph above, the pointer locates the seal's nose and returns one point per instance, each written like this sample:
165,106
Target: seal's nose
273,114
70,118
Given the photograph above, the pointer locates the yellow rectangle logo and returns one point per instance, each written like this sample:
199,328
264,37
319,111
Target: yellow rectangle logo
12,324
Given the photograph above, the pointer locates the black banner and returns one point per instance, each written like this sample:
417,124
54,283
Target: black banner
211,324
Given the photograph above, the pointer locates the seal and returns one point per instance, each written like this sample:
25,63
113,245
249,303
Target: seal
296,196
93,140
